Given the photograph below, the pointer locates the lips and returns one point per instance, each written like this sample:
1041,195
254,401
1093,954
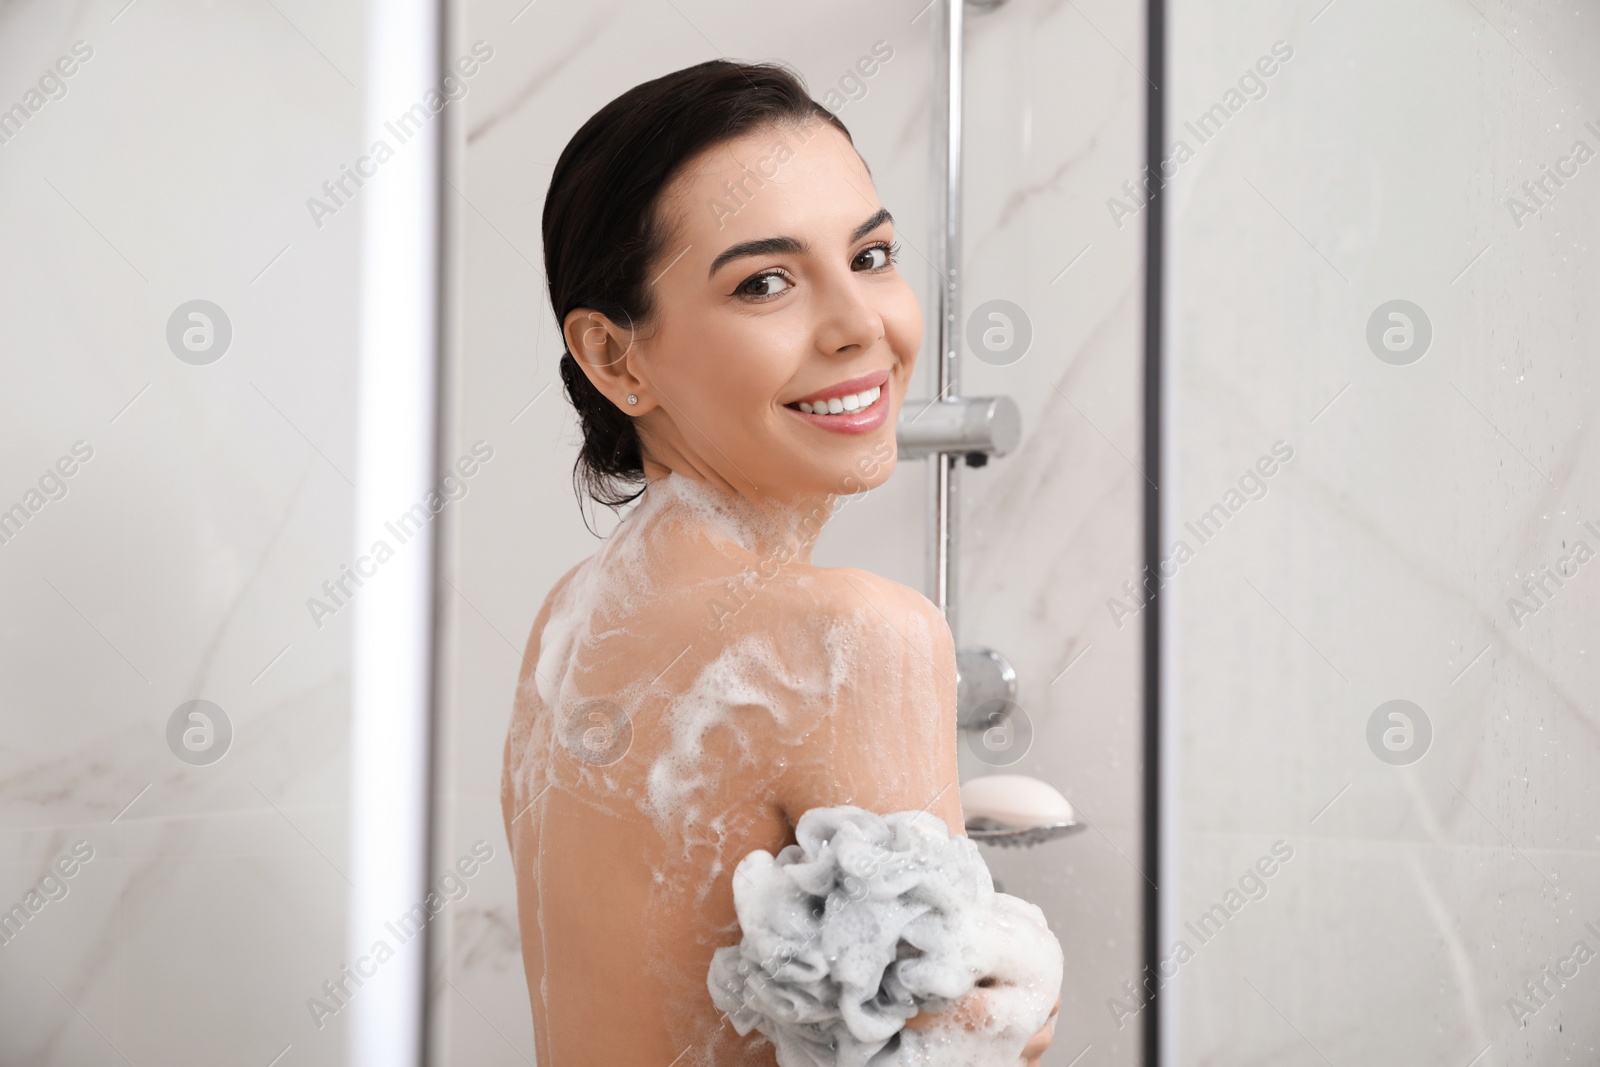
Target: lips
844,388
863,419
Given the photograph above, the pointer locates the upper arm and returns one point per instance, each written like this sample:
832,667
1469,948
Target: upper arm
883,734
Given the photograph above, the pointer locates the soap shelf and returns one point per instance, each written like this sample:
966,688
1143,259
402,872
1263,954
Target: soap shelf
993,832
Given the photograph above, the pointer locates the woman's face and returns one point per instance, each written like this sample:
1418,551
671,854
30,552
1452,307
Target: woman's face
777,288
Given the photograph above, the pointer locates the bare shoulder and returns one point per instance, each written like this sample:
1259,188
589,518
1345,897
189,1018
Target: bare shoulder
803,605
895,614
855,586
523,700
530,653
882,666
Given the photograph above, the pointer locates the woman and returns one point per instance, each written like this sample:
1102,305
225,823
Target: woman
739,343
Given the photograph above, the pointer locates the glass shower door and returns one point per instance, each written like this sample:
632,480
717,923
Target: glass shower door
1381,552
179,279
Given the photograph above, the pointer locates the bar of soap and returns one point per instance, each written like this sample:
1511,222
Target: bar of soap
1014,800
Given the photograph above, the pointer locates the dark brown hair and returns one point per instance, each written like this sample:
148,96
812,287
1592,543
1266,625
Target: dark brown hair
604,226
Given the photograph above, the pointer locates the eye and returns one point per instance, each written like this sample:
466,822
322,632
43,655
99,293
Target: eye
884,254
762,279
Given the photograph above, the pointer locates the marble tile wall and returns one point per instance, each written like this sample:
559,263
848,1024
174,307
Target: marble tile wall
1054,119
1429,876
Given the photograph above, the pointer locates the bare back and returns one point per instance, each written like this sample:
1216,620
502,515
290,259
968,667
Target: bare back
686,694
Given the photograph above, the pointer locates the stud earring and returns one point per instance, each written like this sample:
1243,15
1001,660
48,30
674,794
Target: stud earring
632,399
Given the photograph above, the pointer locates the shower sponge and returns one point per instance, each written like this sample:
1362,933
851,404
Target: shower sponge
868,920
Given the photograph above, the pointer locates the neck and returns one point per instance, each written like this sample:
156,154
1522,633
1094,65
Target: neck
768,524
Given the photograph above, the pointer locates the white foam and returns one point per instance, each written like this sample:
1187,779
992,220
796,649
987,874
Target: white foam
869,920
610,587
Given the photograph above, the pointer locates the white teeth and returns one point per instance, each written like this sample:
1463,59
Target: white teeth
838,405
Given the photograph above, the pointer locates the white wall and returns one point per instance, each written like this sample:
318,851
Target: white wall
1379,565
178,565
1055,118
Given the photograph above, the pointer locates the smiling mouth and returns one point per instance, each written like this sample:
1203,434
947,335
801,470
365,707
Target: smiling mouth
844,404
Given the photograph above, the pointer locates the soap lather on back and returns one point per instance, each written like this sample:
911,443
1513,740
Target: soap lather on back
674,716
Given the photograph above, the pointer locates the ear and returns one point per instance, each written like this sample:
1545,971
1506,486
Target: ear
606,352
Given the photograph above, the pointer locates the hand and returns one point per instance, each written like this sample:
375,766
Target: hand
1041,1040
972,1010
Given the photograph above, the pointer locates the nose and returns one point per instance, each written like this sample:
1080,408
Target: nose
847,322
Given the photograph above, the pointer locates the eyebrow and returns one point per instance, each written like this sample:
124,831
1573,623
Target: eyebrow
767,245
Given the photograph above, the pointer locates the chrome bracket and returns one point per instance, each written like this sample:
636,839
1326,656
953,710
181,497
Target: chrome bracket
968,425
983,680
